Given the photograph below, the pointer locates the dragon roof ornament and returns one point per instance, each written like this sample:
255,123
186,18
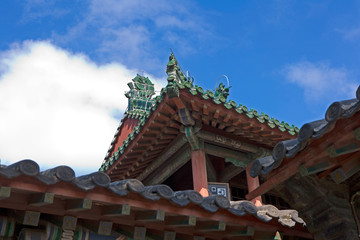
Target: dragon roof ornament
140,96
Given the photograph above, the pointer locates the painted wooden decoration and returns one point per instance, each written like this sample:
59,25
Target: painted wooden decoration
181,221
53,232
158,215
117,210
32,234
169,235
31,218
7,227
335,152
305,171
139,233
79,205
105,228
42,199
217,226
69,223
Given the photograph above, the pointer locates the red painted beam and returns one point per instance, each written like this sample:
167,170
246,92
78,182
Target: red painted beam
198,162
253,183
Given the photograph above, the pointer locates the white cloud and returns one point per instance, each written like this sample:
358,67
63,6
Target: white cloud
320,81
55,106
133,31
350,34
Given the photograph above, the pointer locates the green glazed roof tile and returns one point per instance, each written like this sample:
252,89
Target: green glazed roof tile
177,77
216,100
199,89
193,91
205,96
228,105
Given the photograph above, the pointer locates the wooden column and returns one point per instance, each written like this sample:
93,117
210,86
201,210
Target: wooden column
253,183
198,162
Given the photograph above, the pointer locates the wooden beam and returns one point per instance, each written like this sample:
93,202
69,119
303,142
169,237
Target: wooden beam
169,235
116,210
225,153
285,172
169,109
5,192
170,168
41,199
174,124
198,163
169,130
210,170
253,183
221,126
350,148
194,105
227,118
139,233
79,204
181,221
347,170
174,146
163,117
205,109
179,102
216,114
205,119
249,231
196,115
230,129
151,216
229,172
213,122
212,227
306,171
228,142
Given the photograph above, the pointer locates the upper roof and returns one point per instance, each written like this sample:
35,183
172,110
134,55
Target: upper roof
207,107
22,180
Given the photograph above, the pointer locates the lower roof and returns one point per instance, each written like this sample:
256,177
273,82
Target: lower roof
22,181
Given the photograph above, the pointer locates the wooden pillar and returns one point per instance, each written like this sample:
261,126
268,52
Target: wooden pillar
253,183
198,163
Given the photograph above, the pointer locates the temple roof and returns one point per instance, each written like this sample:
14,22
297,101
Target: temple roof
325,144
21,181
207,107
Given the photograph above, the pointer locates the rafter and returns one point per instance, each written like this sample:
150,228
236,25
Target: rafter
170,168
174,147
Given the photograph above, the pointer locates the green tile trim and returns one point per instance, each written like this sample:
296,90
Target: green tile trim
177,79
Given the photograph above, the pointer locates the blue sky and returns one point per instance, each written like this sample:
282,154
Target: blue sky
64,65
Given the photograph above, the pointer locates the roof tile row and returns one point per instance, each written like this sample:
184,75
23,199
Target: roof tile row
311,130
154,193
194,90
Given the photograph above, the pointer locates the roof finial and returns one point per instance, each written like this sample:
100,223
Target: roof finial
141,91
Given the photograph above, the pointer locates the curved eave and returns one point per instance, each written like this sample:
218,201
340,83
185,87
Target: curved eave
23,180
316,145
